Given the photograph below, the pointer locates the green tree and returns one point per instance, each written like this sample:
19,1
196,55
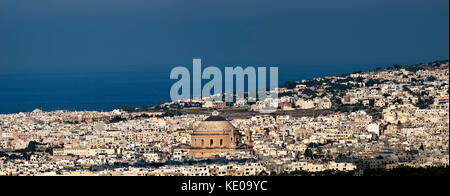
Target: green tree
309,153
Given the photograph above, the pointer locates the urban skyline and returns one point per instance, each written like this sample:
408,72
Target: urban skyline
381,119
250,88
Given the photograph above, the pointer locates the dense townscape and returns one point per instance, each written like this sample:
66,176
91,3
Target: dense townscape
384,118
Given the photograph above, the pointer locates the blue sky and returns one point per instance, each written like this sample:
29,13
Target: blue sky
103,35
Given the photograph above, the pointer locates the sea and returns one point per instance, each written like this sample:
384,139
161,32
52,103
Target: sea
112,89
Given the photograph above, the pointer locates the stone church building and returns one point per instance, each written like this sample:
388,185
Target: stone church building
216,135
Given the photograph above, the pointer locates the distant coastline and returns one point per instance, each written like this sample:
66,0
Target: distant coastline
108,93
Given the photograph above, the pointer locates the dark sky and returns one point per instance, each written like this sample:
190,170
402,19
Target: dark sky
99,35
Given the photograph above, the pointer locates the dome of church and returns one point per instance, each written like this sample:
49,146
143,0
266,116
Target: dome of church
215,123
36,111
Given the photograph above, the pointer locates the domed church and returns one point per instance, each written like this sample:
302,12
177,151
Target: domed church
216,135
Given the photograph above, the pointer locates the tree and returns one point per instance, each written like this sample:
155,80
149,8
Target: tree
263,173
117,119
371,103
290,84
309,153
397,66
431,79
